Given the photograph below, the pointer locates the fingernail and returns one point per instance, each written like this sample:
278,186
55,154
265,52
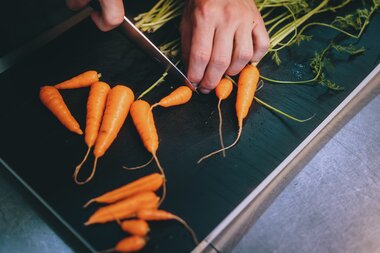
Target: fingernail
204,91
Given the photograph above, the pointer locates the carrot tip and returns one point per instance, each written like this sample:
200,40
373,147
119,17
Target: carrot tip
79,131
154,105
140,166
89,203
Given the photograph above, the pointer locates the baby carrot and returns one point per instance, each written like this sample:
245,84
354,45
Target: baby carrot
151,182
119,101
130,244
124,208
222,91
53,100
82,80
135,227
143,120
247,85
157,215
95,107
179,96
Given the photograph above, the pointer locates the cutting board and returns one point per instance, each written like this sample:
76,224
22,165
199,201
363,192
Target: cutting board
37,148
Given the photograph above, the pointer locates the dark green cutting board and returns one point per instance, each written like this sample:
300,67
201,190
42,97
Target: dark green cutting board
43,153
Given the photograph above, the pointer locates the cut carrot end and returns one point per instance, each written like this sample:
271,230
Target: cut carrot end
139,167
163,175
221,150
99,75
220,128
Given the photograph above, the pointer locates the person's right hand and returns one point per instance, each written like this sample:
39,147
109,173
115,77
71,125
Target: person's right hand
111,16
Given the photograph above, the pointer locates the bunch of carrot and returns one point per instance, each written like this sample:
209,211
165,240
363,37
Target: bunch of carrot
107,110
137,203
247,85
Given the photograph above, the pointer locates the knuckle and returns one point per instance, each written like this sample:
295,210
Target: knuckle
201,57
221,61
264,43
244,56
204,12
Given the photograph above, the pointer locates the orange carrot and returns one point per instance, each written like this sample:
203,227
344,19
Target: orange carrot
130,244
119,101
95,107
82,80
135,227
157,215
179,96
124,208
53,100
247,85
222,91
151,182
143,120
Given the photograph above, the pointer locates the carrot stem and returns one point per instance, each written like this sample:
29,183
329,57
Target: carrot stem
223,149
163,174
184,223
107,250
89,178
79,166
140,166
154,105
220,128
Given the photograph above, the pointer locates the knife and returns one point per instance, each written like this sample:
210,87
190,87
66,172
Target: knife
135,35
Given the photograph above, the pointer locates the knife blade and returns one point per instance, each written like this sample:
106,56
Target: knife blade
136,36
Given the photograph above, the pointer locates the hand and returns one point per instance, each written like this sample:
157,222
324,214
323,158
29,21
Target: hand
111,16
220,36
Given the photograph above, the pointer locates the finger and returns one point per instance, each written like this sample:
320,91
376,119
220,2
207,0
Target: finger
200,50
260,40
186,32
76,4
111,16
204,91
243,50
220,58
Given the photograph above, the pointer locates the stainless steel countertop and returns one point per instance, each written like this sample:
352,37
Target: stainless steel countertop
332,205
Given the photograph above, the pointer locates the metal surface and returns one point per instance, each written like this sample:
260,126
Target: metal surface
332,205
142,41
